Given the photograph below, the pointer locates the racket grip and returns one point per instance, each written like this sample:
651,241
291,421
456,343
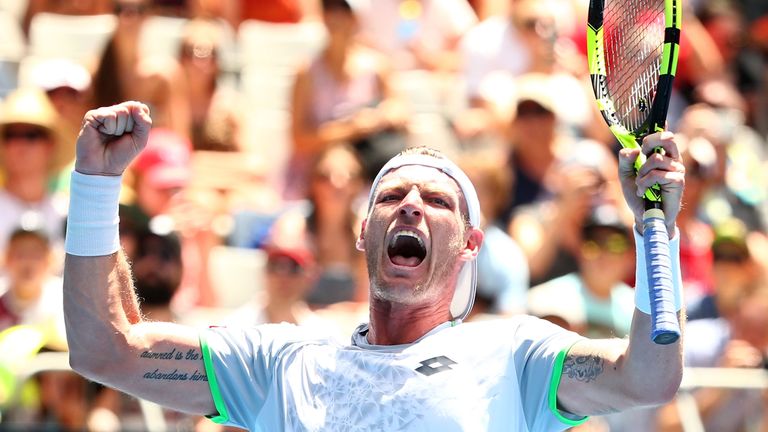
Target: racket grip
665,327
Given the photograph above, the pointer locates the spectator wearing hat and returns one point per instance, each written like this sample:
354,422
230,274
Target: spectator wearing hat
594,300
733,270
68,86
161,172
535,141
289,275
32,152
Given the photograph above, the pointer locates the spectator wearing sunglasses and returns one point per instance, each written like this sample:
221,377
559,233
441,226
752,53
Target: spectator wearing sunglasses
32,151
289,275
576,176
594,300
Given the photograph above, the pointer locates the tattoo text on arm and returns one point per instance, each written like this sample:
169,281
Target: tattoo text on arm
583,368
173,374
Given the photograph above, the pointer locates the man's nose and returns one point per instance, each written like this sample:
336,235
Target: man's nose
412,205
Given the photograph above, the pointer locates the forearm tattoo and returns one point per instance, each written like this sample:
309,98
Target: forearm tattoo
583,368
174,373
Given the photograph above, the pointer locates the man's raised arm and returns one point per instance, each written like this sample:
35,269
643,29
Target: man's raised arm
109,341
604,376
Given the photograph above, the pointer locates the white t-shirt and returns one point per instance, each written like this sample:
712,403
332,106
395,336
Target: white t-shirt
489,376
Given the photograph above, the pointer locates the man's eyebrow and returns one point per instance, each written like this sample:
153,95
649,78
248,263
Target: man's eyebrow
424,188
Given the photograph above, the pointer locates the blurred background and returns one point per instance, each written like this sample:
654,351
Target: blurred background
271,118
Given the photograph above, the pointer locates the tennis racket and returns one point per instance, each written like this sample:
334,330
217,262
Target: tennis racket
632,52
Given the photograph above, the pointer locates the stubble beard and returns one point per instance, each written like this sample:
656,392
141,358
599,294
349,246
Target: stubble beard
418,292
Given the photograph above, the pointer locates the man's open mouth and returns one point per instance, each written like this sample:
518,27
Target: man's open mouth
406,249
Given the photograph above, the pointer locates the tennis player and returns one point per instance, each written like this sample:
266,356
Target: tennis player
415,366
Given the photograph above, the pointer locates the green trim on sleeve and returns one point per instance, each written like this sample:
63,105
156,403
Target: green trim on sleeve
554,383
218,400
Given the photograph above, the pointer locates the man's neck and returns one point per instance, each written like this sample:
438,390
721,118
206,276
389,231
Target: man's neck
392,324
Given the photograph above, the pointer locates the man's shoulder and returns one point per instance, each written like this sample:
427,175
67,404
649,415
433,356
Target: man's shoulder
499,329
276,336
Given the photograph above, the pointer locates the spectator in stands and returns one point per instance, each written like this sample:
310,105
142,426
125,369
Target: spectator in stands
123,74
696,235
51,399
343,96
336,185
30,294
212,113
504,47
289,274
535,141
549,229
68,86
733,267
502,281
416,34
594,300
32,152
159,267
165,203
736,341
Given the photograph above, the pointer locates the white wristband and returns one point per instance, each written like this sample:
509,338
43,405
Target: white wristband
642,295
92,221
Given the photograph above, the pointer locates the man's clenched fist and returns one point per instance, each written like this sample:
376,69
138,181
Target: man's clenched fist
111,137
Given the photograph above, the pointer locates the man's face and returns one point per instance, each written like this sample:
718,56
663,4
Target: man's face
415,237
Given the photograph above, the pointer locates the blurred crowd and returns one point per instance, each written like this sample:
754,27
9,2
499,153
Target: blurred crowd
271,117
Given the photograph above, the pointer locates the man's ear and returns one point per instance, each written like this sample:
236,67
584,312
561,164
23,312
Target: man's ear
360,243
474,242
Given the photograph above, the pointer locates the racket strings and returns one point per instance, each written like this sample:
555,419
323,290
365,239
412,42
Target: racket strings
634,37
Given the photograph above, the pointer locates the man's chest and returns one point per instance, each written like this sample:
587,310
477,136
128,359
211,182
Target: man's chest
431,388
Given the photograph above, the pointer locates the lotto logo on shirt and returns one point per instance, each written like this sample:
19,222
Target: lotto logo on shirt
434,365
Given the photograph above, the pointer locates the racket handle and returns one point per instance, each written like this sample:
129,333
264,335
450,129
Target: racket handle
665,327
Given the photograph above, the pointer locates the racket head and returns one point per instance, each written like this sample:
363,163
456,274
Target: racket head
632,50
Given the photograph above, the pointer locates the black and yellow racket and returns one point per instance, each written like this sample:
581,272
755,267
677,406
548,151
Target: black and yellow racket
632,51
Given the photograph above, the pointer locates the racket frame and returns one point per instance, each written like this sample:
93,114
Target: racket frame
666,327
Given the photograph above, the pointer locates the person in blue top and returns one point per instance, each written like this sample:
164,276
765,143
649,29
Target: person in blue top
414,366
